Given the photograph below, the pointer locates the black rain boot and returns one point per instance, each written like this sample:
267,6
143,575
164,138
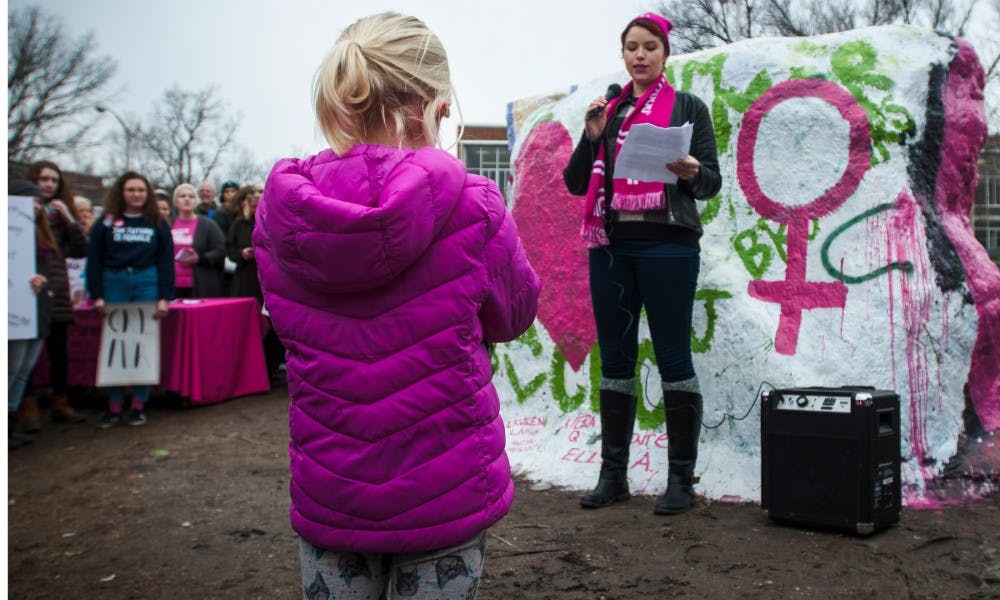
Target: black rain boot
617,422
683,411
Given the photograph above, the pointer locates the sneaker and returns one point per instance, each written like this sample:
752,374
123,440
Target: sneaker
136,417
109,420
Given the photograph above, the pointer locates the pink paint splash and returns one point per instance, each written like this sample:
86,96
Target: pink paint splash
548,219
964,136
796,293
892,316
916,299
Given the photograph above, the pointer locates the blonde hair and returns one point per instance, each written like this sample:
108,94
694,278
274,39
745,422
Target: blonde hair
184,186
374,77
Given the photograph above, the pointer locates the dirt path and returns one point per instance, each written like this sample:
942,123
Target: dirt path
194,505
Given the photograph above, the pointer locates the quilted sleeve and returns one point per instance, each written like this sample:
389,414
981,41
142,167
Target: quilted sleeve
513,287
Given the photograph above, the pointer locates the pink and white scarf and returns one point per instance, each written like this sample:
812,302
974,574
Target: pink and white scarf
630,195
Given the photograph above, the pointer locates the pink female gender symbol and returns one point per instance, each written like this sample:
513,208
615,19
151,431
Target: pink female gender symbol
795,293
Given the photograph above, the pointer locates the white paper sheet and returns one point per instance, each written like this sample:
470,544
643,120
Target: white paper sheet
648,149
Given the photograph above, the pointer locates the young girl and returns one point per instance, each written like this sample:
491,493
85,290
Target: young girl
130,259
387,269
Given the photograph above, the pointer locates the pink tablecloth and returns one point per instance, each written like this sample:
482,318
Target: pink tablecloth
210,351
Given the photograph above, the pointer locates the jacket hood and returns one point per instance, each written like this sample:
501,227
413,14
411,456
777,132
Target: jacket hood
353,222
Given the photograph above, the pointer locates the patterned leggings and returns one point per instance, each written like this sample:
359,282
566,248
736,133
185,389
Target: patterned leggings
447,574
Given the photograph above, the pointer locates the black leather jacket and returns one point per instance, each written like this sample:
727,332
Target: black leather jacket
679,221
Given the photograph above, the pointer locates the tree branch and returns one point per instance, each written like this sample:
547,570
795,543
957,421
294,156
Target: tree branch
53,83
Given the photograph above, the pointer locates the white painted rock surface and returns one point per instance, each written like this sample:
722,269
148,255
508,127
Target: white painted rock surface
839,252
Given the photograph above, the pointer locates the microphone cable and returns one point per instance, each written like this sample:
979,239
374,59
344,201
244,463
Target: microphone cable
632,320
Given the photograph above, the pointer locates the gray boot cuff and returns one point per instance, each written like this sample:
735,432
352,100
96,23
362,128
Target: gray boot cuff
688,385
622,386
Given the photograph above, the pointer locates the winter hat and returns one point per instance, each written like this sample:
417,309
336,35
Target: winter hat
662,22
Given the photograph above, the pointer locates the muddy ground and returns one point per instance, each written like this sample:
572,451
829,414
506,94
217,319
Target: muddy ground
194,505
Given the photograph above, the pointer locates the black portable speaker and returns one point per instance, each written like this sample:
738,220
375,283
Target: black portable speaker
830,457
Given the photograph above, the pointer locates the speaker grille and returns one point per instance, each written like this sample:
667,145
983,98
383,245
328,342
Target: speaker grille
811,475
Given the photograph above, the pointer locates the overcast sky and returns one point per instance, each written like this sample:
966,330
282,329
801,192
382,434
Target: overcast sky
262,54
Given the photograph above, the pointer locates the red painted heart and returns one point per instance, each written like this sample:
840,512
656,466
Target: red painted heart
548,219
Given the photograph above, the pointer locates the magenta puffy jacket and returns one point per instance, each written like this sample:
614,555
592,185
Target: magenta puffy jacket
385,272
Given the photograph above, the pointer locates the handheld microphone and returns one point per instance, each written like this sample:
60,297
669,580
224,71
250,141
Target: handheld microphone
613,90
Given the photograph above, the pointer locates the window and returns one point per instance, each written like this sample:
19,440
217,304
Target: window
986,211
489,159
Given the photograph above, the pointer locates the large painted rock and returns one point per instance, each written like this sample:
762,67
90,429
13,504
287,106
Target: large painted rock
839,252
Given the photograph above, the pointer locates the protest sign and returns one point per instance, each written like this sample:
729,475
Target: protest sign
130,346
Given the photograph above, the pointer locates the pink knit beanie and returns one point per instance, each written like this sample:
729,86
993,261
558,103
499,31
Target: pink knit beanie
662,22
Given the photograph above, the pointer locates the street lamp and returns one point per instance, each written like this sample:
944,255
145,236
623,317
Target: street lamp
128,132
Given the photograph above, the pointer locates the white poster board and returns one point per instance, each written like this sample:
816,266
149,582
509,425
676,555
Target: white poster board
76,268
130,346
22,306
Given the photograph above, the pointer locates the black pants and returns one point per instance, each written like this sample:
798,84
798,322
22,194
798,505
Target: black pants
274,351
56,345
627,276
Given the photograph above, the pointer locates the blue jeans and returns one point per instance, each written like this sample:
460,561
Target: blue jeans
130,285
21,358
663,278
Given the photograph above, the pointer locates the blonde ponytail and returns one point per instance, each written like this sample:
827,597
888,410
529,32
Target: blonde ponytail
382,68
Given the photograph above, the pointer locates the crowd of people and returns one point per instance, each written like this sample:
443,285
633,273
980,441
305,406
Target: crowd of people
140,245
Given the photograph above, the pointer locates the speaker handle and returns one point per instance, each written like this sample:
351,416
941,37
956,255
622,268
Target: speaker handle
885,421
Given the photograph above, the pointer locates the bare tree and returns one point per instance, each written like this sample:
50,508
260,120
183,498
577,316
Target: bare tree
53,84
706,23
186,136
950,15
815,17
246,169
700,24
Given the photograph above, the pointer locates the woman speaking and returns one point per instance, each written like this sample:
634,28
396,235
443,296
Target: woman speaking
644,252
